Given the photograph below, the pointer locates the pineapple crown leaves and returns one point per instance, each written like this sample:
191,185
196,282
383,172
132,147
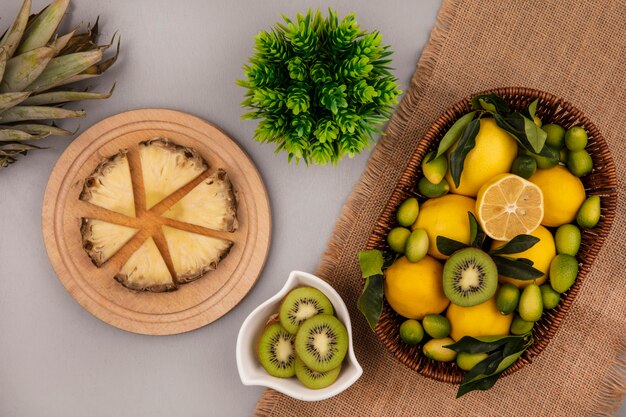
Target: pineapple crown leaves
35,66
319,87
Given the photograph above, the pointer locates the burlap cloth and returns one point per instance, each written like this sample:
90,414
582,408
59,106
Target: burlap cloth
575,50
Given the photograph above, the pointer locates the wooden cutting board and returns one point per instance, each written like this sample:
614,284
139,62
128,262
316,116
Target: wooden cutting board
192,305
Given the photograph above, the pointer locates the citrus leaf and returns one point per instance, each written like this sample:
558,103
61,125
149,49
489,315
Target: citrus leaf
525,131
453,134
518,244
490,102
471,344
449,246
514,268
481,384
466,144
532,108
371,262
477,235
370,302
503,353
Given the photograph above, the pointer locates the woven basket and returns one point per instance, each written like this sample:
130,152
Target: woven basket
602,181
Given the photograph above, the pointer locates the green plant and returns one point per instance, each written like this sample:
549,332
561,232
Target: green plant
319,87
34,63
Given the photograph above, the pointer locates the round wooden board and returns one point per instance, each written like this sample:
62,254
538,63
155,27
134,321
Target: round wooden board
192,305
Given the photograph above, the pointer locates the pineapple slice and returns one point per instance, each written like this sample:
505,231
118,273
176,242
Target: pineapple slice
210,204
146,270
192,254
101,239
166,167
110,186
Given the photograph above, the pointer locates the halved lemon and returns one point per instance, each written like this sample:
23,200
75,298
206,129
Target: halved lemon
507,205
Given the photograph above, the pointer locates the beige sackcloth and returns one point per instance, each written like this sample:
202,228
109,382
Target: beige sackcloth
575,50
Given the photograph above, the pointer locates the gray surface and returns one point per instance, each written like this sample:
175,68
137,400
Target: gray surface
58,360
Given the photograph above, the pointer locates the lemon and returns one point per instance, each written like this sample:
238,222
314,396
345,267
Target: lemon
541,254
480,320
493,154
563,193
414,290
445,216
508,205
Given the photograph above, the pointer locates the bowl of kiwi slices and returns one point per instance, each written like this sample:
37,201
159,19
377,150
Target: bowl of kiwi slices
299,342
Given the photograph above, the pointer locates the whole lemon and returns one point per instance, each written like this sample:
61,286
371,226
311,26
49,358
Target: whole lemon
480,320
493,154
414,289
541,254
563,193
445,216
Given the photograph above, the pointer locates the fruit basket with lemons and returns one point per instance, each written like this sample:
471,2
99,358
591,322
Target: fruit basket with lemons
488,237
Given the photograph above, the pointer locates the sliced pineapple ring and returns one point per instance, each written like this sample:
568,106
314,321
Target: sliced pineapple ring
110,186
192,254
146,270
166,167
210,204
101,239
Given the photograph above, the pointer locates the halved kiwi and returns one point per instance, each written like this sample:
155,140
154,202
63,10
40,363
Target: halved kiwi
313,379
301,304
322,342
276,351
470,277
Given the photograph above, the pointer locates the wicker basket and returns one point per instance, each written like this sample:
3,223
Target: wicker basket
602,181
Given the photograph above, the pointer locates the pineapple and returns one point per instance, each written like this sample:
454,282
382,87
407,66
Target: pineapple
101,239
166,167
210,204
146,270
110,185
34,61
192,254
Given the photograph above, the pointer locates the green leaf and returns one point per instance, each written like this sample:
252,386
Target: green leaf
449,246
502,354
453,133
532,108
477,235
490,102
370,302
515,268
525,131
371,262
481,384
518,244
465,145
471,344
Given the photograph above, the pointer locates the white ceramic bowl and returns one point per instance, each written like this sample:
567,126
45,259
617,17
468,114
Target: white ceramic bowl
252,373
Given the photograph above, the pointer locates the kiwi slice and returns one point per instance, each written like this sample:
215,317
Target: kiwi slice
470,277
301,304
313,379
322,342
276,351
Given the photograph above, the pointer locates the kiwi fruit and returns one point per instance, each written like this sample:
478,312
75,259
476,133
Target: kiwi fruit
276,351
313,379
470,277
322,342
301,304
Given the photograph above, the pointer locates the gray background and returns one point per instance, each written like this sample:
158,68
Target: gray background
58,360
